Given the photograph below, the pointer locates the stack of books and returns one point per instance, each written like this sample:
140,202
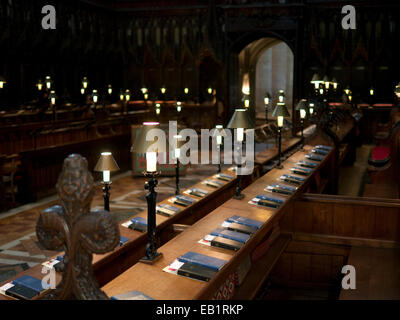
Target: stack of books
280,188
131,295
182,200
195,266
301,171
320,151
267,201
123,240
307,164
238,227
167,209
246,221
224,177
25,287
213,183
314,157
137,223
292,179
197,192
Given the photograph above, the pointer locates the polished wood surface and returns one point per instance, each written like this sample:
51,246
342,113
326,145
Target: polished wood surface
342,216
377,274
108,266
151,280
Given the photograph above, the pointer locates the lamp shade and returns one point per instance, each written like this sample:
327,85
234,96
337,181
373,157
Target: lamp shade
141,145
267,98
397,90
106,162
334,83
2,80
316,78
85,82
281,110
302,105
240,119
52,95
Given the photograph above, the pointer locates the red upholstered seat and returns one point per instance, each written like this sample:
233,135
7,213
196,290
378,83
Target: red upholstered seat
380,156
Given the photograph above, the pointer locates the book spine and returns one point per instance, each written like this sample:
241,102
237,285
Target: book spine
193,275
223,245
163,213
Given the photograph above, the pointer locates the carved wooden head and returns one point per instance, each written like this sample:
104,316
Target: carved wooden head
72,227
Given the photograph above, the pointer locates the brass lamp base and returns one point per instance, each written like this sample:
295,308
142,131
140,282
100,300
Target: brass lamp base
238,196
151,260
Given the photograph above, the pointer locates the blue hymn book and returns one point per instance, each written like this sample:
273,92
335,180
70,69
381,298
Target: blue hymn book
245,221
202,260
232,235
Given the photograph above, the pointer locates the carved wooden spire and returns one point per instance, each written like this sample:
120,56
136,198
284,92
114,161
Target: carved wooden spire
72,228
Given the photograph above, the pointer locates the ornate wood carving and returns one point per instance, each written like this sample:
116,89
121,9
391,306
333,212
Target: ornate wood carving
72,227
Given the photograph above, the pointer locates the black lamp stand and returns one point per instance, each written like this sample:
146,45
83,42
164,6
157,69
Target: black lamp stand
279,166
177,176
238,193
302,134
106,195
266,113
151,250
219,158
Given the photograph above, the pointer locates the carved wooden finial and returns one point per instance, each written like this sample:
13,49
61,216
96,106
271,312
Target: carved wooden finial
72,228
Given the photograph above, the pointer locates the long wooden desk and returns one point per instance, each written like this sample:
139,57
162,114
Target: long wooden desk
153,281
106,267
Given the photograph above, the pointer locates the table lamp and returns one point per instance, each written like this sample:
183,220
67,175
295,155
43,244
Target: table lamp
95,96
82,90
158,108
2,82
397,90
127,95
39,85
85,83
163,89
334,83
150,149
106,164
246,100
218,137
316,81
281,96
52,97
302,107
109,89
178,106
280,112
48,82
121,95
210,90
311,108
240,121
326,82
267,100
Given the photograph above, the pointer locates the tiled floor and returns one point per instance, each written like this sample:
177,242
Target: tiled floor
19,247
